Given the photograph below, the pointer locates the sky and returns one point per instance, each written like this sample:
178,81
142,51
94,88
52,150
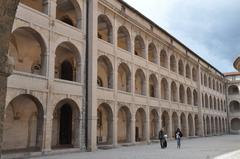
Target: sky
211,28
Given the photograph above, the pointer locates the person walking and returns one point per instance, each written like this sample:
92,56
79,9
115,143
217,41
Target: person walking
161,138
178,135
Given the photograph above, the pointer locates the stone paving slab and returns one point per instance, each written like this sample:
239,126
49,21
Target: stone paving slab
199,148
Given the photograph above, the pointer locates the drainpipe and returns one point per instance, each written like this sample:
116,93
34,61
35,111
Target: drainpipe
86,78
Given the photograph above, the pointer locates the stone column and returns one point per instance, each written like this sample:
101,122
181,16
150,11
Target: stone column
7,13
52,8
47,133
170,125
200,104
187,126
133,130
147,124
194,126
114,137
92,75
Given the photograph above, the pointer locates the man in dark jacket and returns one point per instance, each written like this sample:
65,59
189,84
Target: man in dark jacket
161,138
178,135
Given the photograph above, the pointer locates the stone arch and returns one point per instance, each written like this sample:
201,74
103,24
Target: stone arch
139,46
105,30
174,123
174,97
189,96
69,12
104,124
181,94
195,98
164,89
124,78
123,38
65,124
153,86
183,121
190,125
166,123
233,90
67,62
154,118
39,5
140,82
194,74
235,124
197,128
152,53
163,59
124,125
180,67
188,72
208,125
105,72
140,125
24,115
234,106
173,63
28,59
206,100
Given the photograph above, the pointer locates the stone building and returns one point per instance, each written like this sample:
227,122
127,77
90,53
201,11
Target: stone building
233,100
98,73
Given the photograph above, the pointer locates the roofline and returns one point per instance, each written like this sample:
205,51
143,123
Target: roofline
157,26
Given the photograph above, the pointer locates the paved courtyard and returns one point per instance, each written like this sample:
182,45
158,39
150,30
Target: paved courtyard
199,148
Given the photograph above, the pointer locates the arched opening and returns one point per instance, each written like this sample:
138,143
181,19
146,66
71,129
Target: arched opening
181,94
124,78
139,46
153,86
235,124
189,96
166,123
209,82
105,29
190,125
220,125
154,124
204,126
174,123
173,63
174,92
210,102
234,106
213,84
233,90
208,125
23,124
140,82
206,101
205,80
164,89
104,124
212,126
28,50
197,127
40,5
105,72
183,124
194,74
69,12
224,126
140,123
65,125
188,72
67,62
123,39
214,104
180,67
163,59
152,53
216,126
124,125
195,98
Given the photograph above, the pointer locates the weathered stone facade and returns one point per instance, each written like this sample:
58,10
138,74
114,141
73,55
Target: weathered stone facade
134,77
